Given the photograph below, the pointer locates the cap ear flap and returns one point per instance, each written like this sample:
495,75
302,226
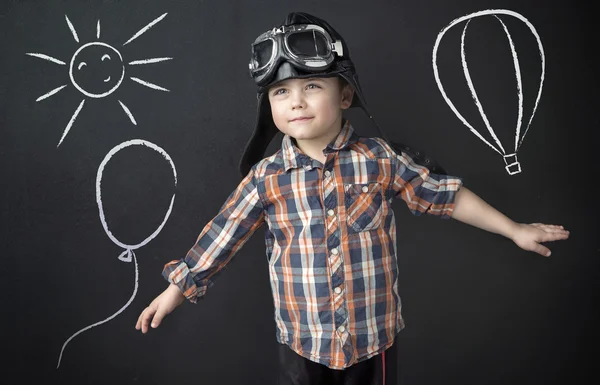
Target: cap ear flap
264,132
419,158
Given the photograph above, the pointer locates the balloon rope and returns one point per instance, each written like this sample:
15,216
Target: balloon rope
131,253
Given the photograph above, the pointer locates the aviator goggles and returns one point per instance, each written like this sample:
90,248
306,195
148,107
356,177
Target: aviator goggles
305,46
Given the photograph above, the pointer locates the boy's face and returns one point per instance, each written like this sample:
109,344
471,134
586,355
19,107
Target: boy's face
307,109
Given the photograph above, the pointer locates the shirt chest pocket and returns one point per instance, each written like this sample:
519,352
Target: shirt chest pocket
364,206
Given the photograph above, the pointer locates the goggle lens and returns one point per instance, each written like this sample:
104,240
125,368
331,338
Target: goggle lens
308,44
261,53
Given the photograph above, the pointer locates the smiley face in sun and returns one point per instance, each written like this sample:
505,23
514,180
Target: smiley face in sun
97,69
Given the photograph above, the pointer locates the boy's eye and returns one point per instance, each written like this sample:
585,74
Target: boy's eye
281,91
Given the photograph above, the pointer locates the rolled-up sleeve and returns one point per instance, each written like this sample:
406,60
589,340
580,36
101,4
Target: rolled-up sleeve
222,237
422,190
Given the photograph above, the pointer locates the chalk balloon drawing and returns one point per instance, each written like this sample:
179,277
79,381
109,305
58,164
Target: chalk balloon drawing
128,255
97,69
512,164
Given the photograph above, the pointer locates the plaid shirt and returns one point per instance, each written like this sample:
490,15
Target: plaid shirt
330,242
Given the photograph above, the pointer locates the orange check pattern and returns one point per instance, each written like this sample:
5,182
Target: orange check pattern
330,242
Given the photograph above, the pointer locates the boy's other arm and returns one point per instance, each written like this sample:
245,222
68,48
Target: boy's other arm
447,197
471,209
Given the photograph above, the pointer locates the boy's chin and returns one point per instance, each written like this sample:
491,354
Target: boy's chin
302,135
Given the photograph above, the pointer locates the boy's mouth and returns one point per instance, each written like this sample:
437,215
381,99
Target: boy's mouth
301,119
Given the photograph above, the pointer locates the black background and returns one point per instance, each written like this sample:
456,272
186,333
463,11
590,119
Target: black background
478,309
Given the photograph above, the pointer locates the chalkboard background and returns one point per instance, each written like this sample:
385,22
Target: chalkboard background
478,309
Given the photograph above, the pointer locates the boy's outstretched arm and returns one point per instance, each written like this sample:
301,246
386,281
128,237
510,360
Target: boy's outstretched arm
471,209
221,238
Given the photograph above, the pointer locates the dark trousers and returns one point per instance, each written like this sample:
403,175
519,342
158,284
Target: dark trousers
377,370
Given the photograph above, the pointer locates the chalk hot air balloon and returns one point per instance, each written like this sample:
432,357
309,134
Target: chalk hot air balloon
509,155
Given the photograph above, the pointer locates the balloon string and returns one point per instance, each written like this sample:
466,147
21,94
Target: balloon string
131,255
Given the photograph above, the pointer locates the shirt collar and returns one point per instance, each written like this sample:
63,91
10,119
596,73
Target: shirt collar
294,158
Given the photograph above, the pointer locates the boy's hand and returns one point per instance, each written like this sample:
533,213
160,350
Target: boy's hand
162,305
529,236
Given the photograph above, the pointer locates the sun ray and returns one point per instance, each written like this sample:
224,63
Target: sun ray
98,30
71,122
46,57
48,94
72,29
149,61
141,31
128,113
148,84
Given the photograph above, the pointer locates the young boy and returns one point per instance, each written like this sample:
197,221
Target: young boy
326,199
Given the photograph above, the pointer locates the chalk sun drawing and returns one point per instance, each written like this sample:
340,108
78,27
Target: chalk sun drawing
512,165
128,254
97,69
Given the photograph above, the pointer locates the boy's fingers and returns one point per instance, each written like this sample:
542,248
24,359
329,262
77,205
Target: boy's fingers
551,232
559,229
138,324
559,235
554,235
555,229
546,226
145,318
158,317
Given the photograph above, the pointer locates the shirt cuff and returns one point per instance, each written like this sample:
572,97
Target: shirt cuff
178,273
453,184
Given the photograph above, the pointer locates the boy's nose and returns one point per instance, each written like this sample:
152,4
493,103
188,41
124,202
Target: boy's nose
297,100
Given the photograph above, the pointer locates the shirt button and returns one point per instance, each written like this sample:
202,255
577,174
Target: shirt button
334,251
330,212
327,172
338,290
342,329
365,189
